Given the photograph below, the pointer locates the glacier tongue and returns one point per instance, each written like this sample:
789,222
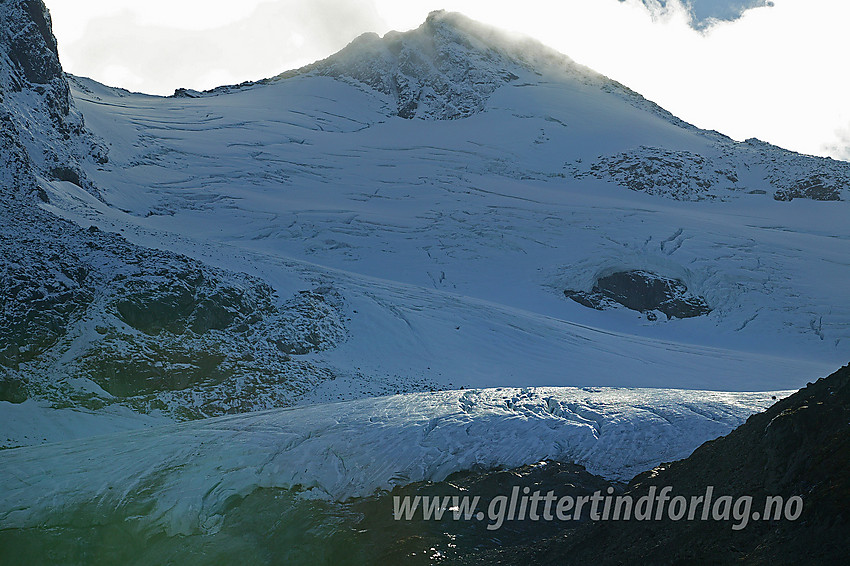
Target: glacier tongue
185,475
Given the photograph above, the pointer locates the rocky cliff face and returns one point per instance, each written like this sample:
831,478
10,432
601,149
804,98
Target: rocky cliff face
35,100
32,48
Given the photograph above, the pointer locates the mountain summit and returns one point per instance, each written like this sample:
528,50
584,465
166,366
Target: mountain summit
446,68
451,66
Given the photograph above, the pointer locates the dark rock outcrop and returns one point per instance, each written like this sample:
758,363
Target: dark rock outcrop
642,291
682,175
793,175
35,98
815,187
27,41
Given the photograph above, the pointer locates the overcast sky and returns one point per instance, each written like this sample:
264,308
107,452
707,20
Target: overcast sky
776,70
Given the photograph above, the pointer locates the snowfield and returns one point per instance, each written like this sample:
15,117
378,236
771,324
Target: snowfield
452,241
186,475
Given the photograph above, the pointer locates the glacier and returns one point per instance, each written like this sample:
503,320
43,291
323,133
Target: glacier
449,236
187,474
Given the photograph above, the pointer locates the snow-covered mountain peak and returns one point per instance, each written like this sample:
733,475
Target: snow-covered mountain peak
446,68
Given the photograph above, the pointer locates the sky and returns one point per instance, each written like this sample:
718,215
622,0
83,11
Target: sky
775,70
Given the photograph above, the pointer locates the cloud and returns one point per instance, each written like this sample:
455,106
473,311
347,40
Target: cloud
840,148
140,51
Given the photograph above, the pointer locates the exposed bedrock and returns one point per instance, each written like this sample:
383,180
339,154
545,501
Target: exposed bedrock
642,291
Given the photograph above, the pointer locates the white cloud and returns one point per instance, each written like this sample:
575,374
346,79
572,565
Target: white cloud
775,73
201,44
841,148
